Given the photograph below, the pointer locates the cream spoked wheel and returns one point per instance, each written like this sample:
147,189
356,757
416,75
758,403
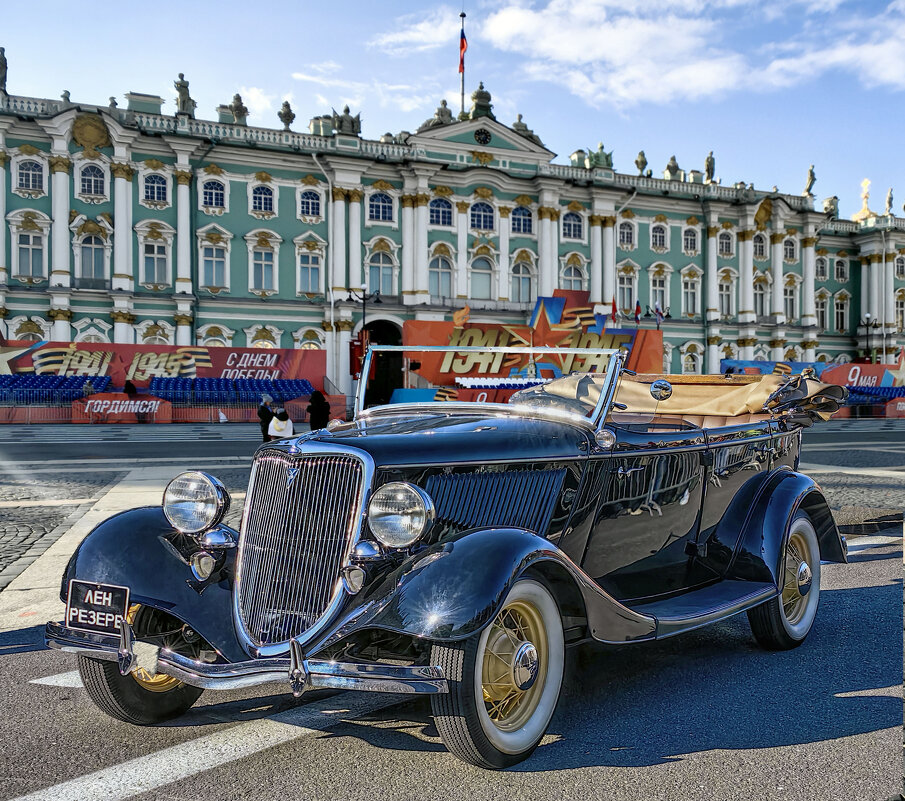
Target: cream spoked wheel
785,621
504,690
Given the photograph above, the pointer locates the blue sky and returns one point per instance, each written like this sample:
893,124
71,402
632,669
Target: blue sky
770,86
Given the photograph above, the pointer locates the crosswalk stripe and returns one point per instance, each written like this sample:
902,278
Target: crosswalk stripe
187,759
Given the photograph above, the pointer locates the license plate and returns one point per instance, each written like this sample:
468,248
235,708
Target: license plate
96,607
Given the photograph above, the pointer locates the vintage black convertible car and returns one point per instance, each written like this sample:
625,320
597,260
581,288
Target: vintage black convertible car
456,549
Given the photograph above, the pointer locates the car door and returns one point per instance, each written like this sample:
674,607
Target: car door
646,524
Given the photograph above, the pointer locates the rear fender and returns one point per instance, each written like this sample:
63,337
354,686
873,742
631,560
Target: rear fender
140,550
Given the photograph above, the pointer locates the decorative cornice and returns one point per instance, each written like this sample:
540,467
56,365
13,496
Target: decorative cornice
28,150
746,342
692,220
344,325
122,317
609,222
776,238
422,199
442,191
727,224
263,177
462,206
628,214
875,258
382,186
326,325
60,164
523,200
714,340
183,177
481,157
153,164
547,213
408,201
213,169
745,235
59,314
595,220
505,211
185,319
808,241
574,205
810,343
777,343
338,193
4,158
121,170
483,192
309,180
712,231
355,195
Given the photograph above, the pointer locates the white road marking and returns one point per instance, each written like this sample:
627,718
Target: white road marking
70,679
865,543
187,759
45,502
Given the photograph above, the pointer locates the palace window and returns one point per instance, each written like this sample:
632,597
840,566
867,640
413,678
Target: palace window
213,266
380,274
691,362
155,263
658,292
761,307
31,175
788,250
481,278
262,269
156,188
309,273
820,310
92,269
380,207
841,273
900,267
790,302
841,308
724,244
760,246
522,220
900,312
625,293
92,180
440,274
658,237
572,278
482,217
571,226
820,269
626,235
690,240
440,211
262,198
31,255
690,295
724,297
522,282
310,204
213,194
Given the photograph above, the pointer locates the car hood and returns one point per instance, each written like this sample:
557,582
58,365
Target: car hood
441,439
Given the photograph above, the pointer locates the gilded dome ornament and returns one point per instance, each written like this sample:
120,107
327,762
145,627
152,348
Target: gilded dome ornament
90,133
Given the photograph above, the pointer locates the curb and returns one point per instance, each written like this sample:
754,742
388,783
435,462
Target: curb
872,527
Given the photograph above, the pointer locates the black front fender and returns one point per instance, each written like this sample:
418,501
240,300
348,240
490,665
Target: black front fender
140,550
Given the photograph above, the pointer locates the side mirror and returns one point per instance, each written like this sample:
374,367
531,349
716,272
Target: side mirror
661,390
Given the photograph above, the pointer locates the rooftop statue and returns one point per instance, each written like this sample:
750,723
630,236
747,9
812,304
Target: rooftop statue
480,103
3,70
184,103
810,183
671,173
442,116
238,108
600,158
523,130
831,206
345,123
709,166
286,115
888,211
641,162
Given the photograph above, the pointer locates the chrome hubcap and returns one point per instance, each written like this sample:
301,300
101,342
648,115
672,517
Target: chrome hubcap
804,579
525,664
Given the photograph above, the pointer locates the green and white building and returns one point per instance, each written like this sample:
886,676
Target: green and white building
137,226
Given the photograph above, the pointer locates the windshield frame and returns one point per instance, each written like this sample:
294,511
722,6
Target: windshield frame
611,378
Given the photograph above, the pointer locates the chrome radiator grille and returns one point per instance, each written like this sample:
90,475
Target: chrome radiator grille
297,532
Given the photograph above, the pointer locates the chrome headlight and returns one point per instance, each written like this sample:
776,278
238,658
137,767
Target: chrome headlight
194,502
399,513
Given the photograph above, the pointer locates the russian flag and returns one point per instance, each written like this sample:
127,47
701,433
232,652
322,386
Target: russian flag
659,312
463,46
613,312
637,311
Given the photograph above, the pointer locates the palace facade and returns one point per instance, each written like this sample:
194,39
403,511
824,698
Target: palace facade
134,225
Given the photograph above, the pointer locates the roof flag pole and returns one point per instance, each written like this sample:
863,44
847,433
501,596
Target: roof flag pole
463,46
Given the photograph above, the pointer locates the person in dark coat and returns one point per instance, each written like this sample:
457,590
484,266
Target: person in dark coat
265,415
318,410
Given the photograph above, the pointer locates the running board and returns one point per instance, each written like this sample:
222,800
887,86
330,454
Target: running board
702,607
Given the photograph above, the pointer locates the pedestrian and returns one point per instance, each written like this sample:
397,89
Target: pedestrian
87,388
280,426
318,410
129,388
265,415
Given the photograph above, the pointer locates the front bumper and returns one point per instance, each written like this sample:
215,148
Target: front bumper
303,673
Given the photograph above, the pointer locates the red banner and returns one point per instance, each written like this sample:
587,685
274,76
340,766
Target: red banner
116,407
140,363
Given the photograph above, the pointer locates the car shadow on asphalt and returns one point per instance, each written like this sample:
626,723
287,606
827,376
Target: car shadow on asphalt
22,641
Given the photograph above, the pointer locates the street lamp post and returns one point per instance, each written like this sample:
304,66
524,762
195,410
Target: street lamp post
866,321
364,296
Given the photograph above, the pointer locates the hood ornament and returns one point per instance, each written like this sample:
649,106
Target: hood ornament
291,474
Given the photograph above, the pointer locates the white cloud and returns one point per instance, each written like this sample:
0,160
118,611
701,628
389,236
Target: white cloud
414,35
404,97
258,101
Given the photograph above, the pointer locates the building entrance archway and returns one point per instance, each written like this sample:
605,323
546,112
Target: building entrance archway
388,370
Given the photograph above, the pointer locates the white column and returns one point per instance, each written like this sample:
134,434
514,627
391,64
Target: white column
408,249
422,290
355,196
864,284
809,278
712,365
778,310
548,275
609,262
122,270
746,276
712,311
544,267
3,265
338,245
890,304
122,327
595,284
61,332
184,232
503,283
876,265
344,380
61,272
183,329
462,249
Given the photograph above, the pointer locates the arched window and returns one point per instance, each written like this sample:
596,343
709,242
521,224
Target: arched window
481,278
31,175
690,285
522,282
900,267
262,269
788,249
309,273
440,277
156,188
310,204
760,246
522,220
213,194
92,267
690,240
724,244
262,198
725,297
761,309
380,207
841,270
92,180
691,362
380,274
571,226
820,269
790,302
658,291
155,340
626,235
900,310
440,211
820,311
658,237
482,217
841,308
625,292
572,278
